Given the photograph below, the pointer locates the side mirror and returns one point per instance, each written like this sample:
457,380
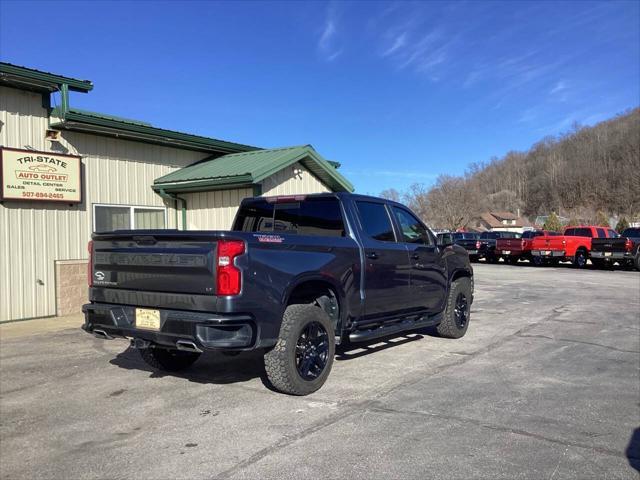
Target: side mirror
445,240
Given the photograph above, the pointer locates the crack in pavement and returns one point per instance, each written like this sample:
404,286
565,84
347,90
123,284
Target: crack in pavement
351,407
568,340
499,428
290,439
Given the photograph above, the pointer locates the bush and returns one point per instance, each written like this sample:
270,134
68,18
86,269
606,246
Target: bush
622,225
552,223
601,219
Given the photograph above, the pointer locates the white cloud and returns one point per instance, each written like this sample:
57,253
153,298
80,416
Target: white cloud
558,87
399,42
327,43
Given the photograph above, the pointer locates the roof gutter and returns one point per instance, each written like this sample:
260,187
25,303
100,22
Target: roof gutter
238,181
108,126
20,74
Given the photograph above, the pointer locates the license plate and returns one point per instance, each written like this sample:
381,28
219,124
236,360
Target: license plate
607,254
147,319
546,252
506,252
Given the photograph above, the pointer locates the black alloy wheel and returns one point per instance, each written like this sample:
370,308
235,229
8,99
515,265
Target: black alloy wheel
580,259
461,310
312,350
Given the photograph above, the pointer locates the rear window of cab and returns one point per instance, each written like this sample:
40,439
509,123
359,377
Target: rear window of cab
314,216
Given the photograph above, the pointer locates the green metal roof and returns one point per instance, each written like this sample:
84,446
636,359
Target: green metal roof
250,168
91,122
38,80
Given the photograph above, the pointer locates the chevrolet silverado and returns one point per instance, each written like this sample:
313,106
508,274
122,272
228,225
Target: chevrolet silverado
295,276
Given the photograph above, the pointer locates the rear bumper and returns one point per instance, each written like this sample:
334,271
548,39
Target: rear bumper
612,255
548,253
511,253
207,330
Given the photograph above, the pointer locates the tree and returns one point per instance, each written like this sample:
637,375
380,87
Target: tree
577,172
601,219
552,223
451,203
390,194
416,199
622,225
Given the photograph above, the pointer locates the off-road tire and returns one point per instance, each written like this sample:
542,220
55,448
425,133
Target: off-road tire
537,261
492,258
449,327
512,260
169,360
280,362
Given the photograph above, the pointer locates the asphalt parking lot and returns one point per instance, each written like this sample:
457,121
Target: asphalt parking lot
544,385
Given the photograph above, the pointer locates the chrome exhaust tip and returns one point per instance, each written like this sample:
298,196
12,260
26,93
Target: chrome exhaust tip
101,334
187,346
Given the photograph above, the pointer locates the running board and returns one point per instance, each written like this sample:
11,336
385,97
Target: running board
385,330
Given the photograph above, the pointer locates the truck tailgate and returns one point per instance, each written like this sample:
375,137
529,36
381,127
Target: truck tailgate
154,261
617,245
509,244
548,243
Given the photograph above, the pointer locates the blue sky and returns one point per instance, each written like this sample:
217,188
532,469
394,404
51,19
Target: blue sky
397,92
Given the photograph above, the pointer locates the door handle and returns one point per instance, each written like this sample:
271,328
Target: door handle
415,256
372,255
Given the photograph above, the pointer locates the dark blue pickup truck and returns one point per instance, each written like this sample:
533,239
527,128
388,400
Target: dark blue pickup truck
294,277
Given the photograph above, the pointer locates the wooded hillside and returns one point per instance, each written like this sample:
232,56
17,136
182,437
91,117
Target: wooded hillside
575,174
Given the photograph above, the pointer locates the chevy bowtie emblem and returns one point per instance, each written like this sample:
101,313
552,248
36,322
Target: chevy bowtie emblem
99,276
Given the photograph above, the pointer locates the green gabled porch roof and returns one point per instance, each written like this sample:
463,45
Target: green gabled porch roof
250,168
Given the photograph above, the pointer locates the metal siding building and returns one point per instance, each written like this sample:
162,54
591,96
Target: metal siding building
36,235
43,245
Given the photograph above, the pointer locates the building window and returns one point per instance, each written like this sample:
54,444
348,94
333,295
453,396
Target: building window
107,218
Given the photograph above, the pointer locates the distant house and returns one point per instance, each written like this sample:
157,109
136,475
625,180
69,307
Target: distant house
505,221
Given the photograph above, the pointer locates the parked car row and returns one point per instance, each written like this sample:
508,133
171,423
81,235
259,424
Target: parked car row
577,244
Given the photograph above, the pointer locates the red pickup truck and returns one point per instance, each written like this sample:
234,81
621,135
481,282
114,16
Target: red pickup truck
572,246
513,249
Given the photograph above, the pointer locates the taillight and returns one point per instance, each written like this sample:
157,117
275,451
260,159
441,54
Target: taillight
564,243
228,276
628,245
90,264
477,244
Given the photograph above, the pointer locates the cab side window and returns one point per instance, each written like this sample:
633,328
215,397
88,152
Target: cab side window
411,228
375,221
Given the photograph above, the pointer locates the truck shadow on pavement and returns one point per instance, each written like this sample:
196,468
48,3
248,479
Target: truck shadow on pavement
211,367
217,368
352,351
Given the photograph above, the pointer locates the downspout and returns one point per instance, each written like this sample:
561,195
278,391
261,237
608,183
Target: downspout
64,99
176,198
184,211
169,196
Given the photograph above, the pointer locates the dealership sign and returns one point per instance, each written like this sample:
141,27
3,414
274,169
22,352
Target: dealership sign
41,176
